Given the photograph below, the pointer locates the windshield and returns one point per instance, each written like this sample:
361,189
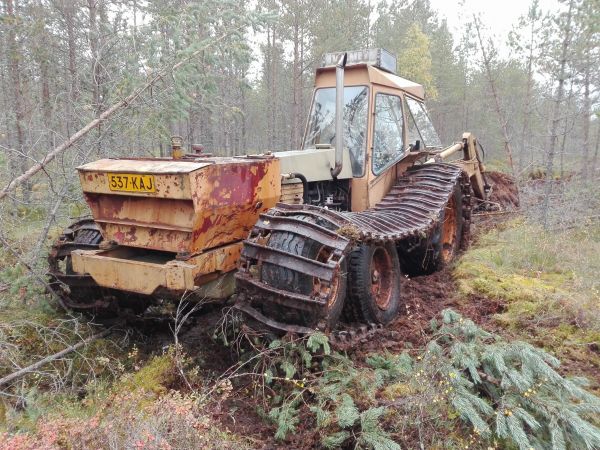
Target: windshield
321,123
424,125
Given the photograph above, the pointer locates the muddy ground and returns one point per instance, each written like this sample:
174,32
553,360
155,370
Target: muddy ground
423,299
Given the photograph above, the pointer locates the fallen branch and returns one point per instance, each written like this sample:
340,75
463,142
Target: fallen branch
25,370
122,104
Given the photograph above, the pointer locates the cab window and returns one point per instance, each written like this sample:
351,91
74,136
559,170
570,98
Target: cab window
321,123
413,131
387,133
423,124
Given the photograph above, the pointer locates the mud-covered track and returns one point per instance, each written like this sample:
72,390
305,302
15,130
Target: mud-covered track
412,208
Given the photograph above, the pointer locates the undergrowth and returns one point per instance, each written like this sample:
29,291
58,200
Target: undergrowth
548,281
145,408
469,388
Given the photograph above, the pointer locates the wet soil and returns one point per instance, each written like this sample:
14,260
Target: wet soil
504,190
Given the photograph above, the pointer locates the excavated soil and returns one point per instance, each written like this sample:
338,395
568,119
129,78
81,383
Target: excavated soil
504,190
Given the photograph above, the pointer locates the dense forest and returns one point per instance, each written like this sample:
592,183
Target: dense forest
247,83
236,78
472,360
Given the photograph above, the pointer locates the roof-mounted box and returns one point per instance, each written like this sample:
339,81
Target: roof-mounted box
378,57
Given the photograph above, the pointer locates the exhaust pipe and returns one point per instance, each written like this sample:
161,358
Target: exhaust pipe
339,116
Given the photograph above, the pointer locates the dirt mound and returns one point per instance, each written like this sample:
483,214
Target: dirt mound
504,190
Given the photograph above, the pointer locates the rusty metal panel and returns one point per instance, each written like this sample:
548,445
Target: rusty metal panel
117,273
174,186
162,213
143,165
132,270
179,276
229,196
196,206
148,236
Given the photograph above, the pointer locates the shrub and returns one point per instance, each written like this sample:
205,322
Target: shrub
469,386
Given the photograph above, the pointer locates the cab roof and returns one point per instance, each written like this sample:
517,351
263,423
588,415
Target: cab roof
364,73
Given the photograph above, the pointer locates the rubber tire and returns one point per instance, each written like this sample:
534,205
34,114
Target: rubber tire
361,306
425,256
82,236
294,281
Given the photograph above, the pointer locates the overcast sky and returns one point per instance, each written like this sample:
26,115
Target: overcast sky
498,15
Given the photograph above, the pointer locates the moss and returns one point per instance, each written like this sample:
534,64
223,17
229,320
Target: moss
157,376
397,390
548,282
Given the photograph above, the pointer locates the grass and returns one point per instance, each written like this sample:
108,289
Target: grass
549,284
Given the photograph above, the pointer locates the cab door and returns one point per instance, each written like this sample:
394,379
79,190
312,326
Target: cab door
388,144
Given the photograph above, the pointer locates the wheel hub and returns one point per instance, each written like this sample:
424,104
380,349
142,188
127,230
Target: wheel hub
381,278
449,231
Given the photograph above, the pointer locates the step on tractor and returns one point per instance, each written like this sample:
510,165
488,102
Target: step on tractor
303,236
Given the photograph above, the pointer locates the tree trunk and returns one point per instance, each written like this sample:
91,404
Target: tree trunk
295,87
301,93
587,111
525,131
93,37
565,132
69,14
595,159
556,117
503,121
17,90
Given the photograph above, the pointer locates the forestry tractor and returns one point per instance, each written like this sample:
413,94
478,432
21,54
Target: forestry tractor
301,236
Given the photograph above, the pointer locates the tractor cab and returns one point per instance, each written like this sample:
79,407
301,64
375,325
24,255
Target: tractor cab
385,122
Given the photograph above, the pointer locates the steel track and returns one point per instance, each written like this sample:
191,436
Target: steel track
412,209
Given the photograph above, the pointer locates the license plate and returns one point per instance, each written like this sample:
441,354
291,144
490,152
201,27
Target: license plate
130,182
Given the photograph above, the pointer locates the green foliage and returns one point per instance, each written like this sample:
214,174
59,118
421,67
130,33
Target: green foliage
157,375
467,379
335,440
286,417
317,340
547,280
341,396
414,59
20,286
511,389
346,411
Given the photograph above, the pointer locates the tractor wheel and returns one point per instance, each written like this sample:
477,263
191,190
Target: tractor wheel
374,284
439,249
448,233
294,281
